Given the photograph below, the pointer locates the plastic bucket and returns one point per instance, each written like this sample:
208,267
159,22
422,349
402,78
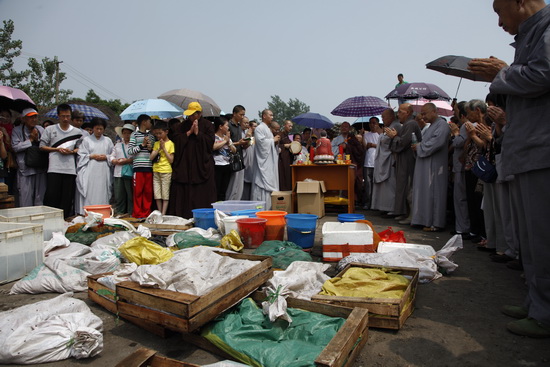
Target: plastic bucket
230,223
251,213
300,229
104,210
275,226
204,218
343,218
252,231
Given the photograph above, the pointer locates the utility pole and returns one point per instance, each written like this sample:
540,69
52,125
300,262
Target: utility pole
57,79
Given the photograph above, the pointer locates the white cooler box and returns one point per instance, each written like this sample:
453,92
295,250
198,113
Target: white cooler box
343,239
21,247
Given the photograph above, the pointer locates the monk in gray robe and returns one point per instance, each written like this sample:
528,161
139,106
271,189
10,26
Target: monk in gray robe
383,194
266,158
430,175
404,158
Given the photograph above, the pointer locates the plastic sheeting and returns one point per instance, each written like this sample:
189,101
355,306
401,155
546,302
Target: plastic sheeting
372,283
194,271
49,331
427,266
246,334
283,253
142,251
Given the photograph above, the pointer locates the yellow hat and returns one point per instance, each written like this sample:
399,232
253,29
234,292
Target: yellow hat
192,108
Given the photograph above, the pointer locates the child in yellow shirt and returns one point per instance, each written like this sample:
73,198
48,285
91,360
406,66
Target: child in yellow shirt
162,168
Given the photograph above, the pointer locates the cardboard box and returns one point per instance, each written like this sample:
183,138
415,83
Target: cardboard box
281,200
311,197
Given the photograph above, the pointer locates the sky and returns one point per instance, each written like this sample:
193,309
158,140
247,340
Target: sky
245,51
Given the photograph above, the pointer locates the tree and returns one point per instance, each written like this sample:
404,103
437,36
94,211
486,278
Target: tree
41,82
10,49
114,104
286,111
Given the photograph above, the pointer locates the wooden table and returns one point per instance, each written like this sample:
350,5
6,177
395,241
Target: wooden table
335,176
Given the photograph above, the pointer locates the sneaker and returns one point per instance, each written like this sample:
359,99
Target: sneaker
517,312
529,327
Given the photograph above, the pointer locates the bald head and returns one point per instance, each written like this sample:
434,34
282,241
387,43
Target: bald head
388,116
429,113
511,13
405,112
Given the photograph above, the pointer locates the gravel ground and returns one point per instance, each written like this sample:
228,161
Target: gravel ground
456,321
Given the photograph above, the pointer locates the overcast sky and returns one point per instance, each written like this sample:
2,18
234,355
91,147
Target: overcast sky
243,52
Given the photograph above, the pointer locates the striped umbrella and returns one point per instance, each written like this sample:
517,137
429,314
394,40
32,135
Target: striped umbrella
360,106
88,111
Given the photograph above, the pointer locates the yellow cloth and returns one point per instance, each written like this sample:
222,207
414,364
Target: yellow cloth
366,283
142,251
163,166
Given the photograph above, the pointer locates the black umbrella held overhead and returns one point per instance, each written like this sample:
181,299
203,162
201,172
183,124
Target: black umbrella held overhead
418,90
455,66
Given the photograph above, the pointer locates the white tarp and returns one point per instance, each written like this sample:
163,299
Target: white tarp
193,271
427,266
48,331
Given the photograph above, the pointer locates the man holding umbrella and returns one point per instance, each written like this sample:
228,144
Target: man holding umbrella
526,83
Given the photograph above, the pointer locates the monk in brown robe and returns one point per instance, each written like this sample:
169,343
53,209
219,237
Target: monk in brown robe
285,158
193,185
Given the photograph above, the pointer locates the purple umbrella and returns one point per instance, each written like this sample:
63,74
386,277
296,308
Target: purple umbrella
360,106
418,90
15,99
313,120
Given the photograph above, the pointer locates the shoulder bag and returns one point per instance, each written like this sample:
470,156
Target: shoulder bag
484,169
127,170
34,157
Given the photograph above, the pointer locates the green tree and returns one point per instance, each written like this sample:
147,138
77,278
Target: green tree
286,111
114,104
41,82
10,49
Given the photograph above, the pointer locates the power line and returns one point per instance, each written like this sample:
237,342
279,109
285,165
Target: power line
75,74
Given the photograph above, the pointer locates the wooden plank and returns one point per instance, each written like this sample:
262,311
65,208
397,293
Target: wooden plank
173,227
338,351
144,357
171,322
137,359
107,304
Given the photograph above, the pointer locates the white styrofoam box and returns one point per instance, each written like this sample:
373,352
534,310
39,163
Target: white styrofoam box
20,249
342,239
423,250
50,218
229,206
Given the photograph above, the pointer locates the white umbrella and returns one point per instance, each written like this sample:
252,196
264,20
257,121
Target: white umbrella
182,98
443,107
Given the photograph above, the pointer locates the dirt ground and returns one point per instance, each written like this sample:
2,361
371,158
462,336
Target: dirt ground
456,321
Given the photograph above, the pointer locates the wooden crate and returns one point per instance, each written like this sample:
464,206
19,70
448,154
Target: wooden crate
144,357
106,298
385,313
342,349
165,229
184,312
7,202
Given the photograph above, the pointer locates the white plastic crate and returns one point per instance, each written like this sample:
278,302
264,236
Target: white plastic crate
50,218
423,250
229,206
21,247
343,239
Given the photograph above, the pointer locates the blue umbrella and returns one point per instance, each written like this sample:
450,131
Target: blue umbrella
88,111
313,120
152,107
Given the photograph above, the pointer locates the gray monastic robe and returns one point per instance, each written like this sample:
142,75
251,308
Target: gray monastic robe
430,176
93,178
266,159
404,164
383,193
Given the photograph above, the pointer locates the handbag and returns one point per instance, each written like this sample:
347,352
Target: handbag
236,162
127,170
34,157
484,169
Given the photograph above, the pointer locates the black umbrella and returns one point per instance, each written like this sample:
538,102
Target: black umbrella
456,66
418,90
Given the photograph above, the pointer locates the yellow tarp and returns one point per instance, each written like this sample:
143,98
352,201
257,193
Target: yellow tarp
366,282
142,251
